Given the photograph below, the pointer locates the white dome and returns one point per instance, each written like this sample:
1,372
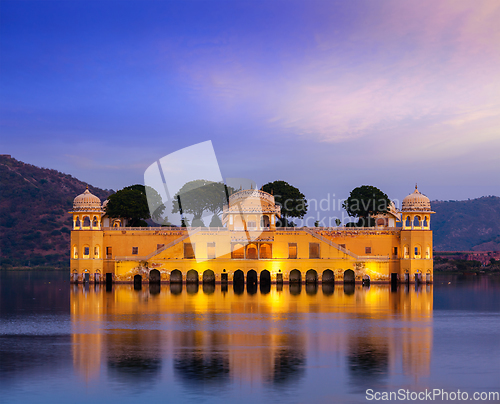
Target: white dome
87,202
416,202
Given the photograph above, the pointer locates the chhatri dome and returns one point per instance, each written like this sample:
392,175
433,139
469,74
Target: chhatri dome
416,202
87,202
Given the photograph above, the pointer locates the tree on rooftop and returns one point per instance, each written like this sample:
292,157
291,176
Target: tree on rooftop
293,203
365,202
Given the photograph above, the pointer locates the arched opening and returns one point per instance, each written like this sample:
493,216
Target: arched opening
426,222
77,223
264,221
86,251
328,276
154,276
117,223
311,276
252,252
266,251
137,282
239,276
407,222
418,251
94,222
428,277
349,276
97,251
238,251
265,277
75,276
209,276
295,276
265,281
380,222
416,221
86,221
406,252
428,252
192,276
176,276
97,276
75,252
251,277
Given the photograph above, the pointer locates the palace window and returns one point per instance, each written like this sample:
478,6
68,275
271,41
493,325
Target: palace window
292,250
313,250
368,250
408,222
210,251
395,251
86,221
94,222
135,250
86,252
416,221
158,246
406,252
238,251
189,250
428,252
75,251
418,252
252,225
109,252
342,246
96,251
266,251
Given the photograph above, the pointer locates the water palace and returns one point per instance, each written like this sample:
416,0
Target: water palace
250,248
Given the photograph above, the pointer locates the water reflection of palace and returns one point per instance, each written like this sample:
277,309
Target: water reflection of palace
207,336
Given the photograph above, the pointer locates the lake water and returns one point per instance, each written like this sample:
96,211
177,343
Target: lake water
66,343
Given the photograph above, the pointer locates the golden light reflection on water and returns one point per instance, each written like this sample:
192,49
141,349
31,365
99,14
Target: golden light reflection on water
213,335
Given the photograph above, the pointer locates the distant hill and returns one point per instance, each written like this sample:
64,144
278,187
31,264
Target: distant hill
35,226
472,225
34,223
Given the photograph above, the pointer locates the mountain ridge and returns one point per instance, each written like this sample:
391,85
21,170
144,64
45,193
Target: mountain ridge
35,224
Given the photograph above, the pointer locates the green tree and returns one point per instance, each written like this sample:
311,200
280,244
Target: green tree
365,202
155,204
199,196
293,203
131,204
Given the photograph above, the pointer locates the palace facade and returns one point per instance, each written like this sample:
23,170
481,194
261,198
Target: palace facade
250,248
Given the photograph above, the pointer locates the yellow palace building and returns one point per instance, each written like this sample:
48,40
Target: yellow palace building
250,248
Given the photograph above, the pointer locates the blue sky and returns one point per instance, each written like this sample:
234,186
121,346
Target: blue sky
325,95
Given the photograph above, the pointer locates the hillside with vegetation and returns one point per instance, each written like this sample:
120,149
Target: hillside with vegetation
472,225
34,221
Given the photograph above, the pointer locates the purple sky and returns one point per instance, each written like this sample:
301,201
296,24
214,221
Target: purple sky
325,95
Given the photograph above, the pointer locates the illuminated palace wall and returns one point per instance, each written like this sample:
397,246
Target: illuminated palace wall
215,346
250,248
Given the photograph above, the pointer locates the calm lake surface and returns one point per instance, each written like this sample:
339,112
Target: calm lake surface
66,343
